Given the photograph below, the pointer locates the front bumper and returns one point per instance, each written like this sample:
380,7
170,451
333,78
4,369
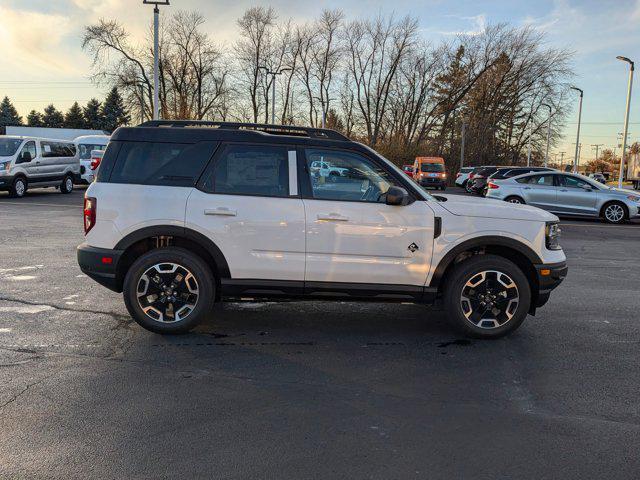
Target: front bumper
549,277
6,181
100,264
432,182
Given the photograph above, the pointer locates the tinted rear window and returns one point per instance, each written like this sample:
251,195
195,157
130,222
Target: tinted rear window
148,163
57,149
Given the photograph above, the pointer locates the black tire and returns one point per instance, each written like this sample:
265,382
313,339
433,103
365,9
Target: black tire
614,212
459,307
204,286
515,199
67,184
18,187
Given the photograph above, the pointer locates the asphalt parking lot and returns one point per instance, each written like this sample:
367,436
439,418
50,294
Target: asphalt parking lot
311,389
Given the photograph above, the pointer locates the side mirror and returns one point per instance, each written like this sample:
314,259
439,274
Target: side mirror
25,157
397,196
588,188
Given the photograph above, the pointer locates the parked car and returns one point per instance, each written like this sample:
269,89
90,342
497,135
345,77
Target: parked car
598,177
462,176
321,168
408,169
472,174
507,172
85,144
477,183
568,194
179,218
430,172
37,162
96,158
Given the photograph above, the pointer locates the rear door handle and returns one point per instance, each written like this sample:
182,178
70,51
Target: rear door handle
332,217
564,190
223,211
527,188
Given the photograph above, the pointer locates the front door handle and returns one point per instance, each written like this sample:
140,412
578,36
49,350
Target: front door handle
564,190
223,211
332,217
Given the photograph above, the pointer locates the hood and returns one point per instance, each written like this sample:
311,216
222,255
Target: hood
490,208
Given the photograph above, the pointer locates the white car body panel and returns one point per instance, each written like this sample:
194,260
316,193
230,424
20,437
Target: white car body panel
261,237
361,242
123,208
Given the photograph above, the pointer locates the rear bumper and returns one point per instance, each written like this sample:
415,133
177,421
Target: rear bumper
100,264
549,277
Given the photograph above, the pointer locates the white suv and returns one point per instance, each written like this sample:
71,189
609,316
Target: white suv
183,214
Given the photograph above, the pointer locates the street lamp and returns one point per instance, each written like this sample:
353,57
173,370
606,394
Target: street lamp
546,153
626,118
273,93
156,68
575,159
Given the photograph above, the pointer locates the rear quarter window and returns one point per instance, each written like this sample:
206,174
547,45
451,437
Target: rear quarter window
156,163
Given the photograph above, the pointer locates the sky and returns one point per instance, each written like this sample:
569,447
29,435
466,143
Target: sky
42,61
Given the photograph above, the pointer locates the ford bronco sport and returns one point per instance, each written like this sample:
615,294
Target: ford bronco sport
183,214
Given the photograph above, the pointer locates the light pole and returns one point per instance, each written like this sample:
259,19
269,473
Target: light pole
575,159
626,118
462,140
156,54
273,85
546,153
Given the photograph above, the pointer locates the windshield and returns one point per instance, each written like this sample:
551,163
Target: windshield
432,167
9,146
84,150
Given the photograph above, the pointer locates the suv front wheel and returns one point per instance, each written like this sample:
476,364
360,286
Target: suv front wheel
169,290
487,296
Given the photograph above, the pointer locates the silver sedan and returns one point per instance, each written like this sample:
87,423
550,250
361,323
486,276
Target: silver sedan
568,194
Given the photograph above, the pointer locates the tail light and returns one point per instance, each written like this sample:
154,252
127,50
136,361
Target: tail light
95,163
89,213
471,175
458,174
492,186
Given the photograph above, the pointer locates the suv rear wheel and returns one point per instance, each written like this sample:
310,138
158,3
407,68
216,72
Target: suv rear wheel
67,184
169,290
487,296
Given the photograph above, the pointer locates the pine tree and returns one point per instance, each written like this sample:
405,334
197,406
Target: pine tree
113,111
34,119
8,114
74,118
52,117
92,116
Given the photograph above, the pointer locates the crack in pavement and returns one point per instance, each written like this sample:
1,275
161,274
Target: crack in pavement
22,392
123,321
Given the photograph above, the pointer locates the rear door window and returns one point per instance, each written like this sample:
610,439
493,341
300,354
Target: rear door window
260,170
546,180
156,163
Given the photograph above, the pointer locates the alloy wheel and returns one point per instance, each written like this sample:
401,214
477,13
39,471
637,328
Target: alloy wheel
68,183
614,213
167,292
19,188
489,299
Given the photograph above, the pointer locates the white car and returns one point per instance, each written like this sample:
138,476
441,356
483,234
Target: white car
85,145
324,169
179,218
463,176
37,162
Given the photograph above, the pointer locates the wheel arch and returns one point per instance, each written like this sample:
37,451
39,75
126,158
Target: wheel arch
146,239
520,254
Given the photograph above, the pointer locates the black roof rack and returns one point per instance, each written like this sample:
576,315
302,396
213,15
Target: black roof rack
259,127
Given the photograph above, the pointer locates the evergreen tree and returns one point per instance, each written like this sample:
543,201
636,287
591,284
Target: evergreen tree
8,114
92,116
113,111
34,119
74,118
52,117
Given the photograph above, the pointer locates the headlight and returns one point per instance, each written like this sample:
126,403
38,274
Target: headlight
5,166
552,236
633,198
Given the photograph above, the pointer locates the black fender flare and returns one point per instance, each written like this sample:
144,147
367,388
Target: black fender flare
174,231
485,241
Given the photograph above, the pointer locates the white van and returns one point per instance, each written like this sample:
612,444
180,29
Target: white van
37,162
85,144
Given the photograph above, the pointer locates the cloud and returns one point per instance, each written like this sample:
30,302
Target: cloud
479,26
33,41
